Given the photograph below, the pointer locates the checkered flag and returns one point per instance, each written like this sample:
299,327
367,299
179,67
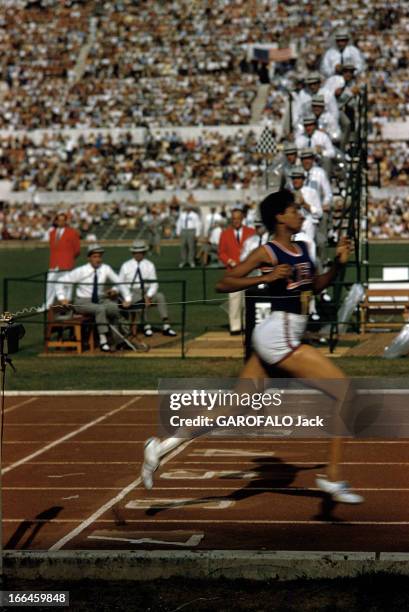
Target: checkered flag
266,143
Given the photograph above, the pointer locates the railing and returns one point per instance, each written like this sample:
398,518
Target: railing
37,284
199,288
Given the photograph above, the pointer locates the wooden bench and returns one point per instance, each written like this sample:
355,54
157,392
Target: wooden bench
387,301
80,326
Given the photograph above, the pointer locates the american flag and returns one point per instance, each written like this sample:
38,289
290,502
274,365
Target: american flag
268,54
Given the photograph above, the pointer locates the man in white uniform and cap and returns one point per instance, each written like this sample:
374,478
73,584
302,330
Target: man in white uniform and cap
139,278
90,280
335,57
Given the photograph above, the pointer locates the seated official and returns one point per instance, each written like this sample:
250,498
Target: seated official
90,281
139,274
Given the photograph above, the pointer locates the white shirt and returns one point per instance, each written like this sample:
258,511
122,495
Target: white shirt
317,179
311,219
319,141
188,220
333,83
58,233
326,123
211,220
311,197
304,106
252,243
129,274
301,99
215,234
83,277
350,55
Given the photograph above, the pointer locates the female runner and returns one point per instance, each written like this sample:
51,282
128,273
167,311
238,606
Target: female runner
278,339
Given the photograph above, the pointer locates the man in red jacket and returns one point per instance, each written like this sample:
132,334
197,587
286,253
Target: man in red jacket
64,249
231,242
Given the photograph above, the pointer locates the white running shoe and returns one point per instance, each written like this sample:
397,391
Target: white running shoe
339,490
151,461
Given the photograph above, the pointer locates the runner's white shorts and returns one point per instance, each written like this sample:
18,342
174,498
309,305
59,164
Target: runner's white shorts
278,336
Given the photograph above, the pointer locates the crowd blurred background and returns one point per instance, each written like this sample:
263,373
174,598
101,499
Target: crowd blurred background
82,65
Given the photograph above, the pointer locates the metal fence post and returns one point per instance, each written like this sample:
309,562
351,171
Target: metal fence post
183,317
5,294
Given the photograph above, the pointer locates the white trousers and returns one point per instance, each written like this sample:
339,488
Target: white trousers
236,310
51,289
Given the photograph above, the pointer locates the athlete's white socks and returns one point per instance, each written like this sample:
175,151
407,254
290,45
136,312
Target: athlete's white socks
169,445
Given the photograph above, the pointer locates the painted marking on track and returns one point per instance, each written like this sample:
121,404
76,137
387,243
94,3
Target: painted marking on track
28,401
65,423
155,520
226,452
75,441
84,462
206,475
95,516
150,424
65,475
61,488
67,436
203,488
71,497
168,538
302,462
169,504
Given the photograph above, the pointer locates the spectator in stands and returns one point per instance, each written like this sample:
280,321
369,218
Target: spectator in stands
316,178
230,245
315,139
313,88
90,280
325,121
139,276
279,173
65,247
343,52
188,228
308,200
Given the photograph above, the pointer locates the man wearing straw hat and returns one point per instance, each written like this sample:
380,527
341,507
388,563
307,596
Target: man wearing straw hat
90,298
139,277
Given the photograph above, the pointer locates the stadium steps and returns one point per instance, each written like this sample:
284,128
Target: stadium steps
53,182
259,103
81,63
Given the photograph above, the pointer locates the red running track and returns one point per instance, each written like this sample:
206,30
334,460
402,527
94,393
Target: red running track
71,481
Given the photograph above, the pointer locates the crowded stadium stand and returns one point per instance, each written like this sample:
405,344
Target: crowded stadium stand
137,140
119,124
70,68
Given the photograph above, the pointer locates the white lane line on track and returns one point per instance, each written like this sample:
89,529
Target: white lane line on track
201,463
155,521
84,462
86,426
64,424
28,401
114,392
294,462
267,521
95,516
74,441
232,489
79,393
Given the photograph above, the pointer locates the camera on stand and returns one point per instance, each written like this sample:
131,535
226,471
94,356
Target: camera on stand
10,334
